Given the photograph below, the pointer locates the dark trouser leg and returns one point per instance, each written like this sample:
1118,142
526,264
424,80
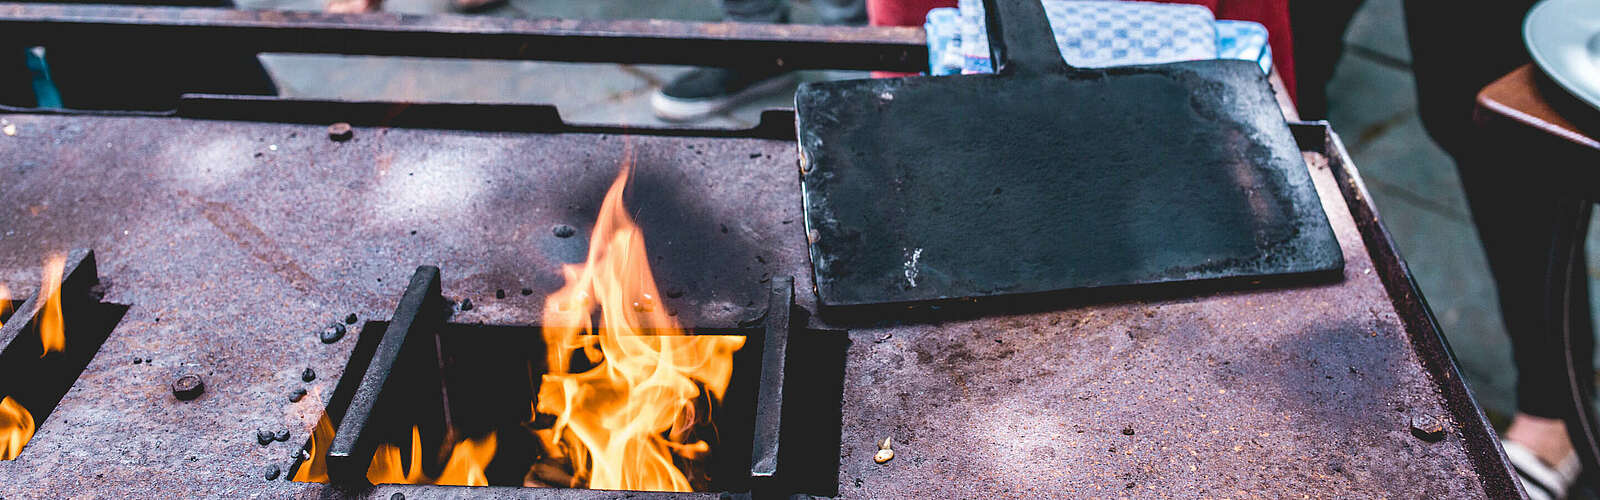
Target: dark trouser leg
1455,52
1318,27
1567,319
1516,218
842,12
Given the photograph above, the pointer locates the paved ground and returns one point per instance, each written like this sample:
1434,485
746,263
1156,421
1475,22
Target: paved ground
585,93
1372,105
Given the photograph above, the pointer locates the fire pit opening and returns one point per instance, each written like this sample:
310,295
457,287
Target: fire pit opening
480,388
489,377
35,376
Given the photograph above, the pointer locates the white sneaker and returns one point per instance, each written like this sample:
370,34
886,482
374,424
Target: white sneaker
1539,480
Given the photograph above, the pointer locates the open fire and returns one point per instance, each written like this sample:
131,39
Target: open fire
16,423
627,398
5,302
630,418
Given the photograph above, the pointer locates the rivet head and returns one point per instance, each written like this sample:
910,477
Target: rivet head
1427,427
332,333
340,132
188,387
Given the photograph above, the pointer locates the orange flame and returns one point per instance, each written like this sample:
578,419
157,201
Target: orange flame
50,334
621,422
5,301
466,464
387,469
465,467
315,469
16,428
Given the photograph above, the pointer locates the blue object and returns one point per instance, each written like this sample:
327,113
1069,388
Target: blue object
1101,33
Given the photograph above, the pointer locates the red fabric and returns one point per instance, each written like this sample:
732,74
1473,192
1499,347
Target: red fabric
1274,14
902,12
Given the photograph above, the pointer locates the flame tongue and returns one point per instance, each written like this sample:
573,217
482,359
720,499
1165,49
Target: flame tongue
622,421
16,428
5,300
315,468
465,467
51,337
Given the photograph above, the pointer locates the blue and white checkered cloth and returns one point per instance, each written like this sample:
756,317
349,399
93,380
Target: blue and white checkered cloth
1101,33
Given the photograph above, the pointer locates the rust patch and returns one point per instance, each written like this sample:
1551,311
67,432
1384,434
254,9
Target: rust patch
252,240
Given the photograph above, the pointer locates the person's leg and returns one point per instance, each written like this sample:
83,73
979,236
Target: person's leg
1517,215
1319,27
842,12
1455,53
702,92
352,6
756,11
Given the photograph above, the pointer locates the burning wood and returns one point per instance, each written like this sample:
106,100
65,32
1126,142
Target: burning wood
548,474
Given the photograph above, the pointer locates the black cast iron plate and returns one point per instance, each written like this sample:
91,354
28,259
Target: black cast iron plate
980,185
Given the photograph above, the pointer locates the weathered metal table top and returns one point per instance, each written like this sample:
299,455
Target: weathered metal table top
233,242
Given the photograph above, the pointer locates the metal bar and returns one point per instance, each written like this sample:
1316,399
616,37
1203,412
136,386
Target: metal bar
769,401
640,41
542,118
1433,349
419,313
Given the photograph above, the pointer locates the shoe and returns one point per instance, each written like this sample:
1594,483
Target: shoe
703,91
1540,480
475,6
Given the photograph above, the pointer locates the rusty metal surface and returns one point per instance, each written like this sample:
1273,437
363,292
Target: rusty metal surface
234,242
645,41
1244,394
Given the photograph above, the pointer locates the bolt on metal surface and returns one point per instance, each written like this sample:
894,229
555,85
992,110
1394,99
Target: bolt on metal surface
340,132
332,333
1426,427
188,387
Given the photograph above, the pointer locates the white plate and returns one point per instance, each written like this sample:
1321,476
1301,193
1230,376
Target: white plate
1564,38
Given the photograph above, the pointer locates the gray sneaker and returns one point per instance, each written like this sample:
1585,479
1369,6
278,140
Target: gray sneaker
699,93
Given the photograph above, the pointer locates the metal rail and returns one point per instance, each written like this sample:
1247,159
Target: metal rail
642,41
